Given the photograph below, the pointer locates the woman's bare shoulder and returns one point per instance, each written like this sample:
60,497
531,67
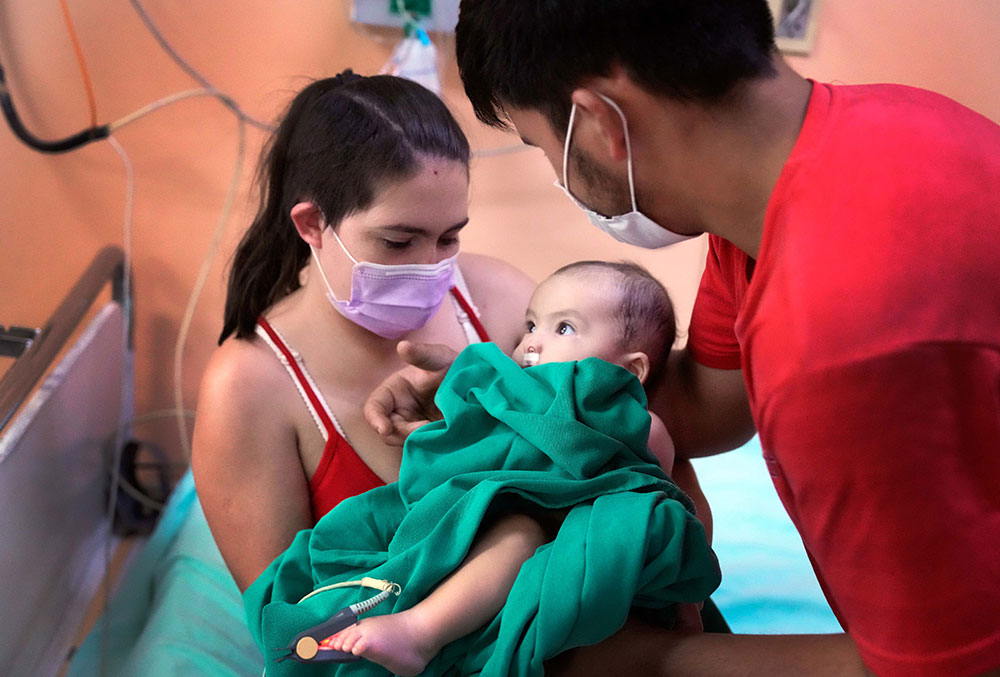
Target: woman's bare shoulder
245,404
491,275
244,371
501,292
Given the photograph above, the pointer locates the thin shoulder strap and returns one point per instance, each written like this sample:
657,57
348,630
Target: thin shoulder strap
468,314
324,418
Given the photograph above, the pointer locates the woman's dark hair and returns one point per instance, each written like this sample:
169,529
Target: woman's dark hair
646,318
340,141
533,53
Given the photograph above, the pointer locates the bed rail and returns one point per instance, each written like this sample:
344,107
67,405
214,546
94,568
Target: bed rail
63,405
42,349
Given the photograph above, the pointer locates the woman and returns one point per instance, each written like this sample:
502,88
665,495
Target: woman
355,246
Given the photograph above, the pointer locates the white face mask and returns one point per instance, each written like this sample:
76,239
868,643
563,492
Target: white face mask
633,228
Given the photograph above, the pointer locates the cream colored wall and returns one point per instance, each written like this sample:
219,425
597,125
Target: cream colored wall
57,211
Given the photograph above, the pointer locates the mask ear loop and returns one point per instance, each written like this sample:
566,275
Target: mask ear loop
319,265
340,242
628,147
569,135
322,274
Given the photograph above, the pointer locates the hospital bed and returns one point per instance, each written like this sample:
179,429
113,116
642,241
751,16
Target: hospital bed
53,441
177,609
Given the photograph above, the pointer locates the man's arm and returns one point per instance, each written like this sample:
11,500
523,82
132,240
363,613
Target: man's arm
642,649
706,410
405,401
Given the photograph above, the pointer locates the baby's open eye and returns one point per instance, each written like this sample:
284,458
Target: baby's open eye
529,327
564,328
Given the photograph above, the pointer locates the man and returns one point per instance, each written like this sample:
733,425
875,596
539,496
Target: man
850,303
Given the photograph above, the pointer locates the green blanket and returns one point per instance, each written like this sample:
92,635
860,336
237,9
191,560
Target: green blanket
562,435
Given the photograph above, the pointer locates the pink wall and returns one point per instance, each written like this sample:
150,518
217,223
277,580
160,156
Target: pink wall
57,211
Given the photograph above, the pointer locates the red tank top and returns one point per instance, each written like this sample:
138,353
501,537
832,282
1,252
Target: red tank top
341,472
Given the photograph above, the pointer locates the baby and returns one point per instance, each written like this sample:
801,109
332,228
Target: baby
617,312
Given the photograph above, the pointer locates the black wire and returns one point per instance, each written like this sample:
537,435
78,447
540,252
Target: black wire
59,146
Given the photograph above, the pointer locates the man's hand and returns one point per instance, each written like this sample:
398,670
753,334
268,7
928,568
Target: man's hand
405,400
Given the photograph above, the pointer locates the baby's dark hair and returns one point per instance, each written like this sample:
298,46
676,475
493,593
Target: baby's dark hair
646,316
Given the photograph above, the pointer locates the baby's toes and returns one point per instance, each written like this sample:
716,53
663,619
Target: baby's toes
360,646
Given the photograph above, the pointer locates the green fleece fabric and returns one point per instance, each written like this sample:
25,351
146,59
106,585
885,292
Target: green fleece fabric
563,435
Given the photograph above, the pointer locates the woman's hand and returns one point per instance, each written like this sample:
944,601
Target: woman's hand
405,400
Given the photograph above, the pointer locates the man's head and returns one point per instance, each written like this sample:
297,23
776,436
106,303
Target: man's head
532,54
615,311
660,89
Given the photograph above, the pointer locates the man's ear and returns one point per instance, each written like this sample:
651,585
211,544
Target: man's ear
599,121
638,364
309,221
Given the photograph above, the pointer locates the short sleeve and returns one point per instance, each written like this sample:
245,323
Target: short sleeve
711,336
890,469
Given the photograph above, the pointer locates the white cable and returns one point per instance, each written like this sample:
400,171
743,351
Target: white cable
137,494
126,406
501,150
166,101
190,70
161,413
199,284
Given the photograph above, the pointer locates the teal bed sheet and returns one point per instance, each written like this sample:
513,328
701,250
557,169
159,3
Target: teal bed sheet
178,610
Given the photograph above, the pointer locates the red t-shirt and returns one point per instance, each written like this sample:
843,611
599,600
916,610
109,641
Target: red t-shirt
869,336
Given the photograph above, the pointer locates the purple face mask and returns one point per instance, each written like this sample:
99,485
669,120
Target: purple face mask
392,301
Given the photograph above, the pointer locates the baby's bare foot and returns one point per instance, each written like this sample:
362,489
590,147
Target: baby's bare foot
398,642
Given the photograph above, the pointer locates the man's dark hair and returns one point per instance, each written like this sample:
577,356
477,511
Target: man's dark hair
533,53
646,316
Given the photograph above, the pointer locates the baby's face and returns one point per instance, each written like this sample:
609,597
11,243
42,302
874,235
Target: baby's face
572,316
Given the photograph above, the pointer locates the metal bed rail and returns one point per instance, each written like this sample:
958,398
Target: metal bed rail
41,350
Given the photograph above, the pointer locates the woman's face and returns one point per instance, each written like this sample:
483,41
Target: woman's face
416,220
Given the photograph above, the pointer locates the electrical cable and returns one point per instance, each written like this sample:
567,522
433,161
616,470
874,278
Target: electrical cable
127,386
57,146
166,101
91,101
501,150
206,265
190,70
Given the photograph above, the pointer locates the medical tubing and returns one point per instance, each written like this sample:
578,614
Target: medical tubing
59,146
213,247
78,50
191,71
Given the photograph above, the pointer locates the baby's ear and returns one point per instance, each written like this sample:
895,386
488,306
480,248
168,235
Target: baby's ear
638,364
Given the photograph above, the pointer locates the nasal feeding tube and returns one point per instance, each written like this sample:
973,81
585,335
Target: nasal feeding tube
530,358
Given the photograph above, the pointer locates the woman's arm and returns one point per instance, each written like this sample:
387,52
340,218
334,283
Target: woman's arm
245,460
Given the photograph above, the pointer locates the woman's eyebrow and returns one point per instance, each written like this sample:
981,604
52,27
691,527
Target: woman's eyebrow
406,229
